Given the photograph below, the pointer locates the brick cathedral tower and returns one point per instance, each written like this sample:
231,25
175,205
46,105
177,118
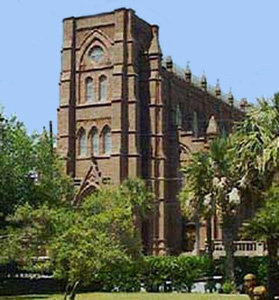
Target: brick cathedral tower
125,113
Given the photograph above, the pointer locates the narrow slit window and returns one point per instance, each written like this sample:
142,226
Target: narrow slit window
89,90
103,88
82,143
106,140
95,141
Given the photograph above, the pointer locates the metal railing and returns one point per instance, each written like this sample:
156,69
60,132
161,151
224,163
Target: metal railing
241,248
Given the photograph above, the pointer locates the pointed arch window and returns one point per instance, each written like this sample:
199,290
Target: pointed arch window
82,145
106,140
103,88
95,141
89,90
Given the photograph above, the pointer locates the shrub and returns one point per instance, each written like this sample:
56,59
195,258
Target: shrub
244,265
181,272
228,287
124,276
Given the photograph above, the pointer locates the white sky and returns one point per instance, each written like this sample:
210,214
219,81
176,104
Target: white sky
233,40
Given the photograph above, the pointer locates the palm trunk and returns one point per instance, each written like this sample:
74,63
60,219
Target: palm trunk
209,238
70,293
228,238
273,272
197,235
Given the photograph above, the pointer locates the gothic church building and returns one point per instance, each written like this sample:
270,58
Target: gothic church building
125,111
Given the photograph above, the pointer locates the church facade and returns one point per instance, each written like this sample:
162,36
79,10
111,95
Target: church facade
126,112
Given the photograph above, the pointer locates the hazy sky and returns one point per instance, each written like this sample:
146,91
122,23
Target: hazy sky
236,41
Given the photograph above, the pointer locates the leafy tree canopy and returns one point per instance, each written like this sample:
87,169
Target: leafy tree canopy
30,171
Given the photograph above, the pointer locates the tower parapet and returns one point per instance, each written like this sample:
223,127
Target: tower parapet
190,78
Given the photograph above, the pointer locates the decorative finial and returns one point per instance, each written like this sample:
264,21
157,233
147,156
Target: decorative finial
188,73
218,88
203,78
243,104
169,63
155,48
230,97
203,81
187,70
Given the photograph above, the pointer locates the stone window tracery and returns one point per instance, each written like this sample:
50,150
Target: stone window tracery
96,54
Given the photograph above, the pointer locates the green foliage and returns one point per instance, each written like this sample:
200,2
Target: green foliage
265,224
244,265
211,188
53,187
135,192
121,277
82,242
228,287
254,265
30,171
16,163
198,175
255,141
181,271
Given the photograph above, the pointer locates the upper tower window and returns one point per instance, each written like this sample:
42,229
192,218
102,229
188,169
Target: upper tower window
89,92
103,88
96,54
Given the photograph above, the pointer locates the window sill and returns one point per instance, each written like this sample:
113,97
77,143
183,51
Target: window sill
99,103
99,156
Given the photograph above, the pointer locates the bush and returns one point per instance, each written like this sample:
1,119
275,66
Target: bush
228,287
244,265
124,276
156,273
170,272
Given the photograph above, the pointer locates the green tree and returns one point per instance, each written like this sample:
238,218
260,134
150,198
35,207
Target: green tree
211,187
264,226
52,186
198,177
256,144
30,170
225,197
83,240
16,166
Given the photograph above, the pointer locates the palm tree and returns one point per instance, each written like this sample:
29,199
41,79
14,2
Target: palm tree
265,227
256,143
225,196
210,186
197,178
